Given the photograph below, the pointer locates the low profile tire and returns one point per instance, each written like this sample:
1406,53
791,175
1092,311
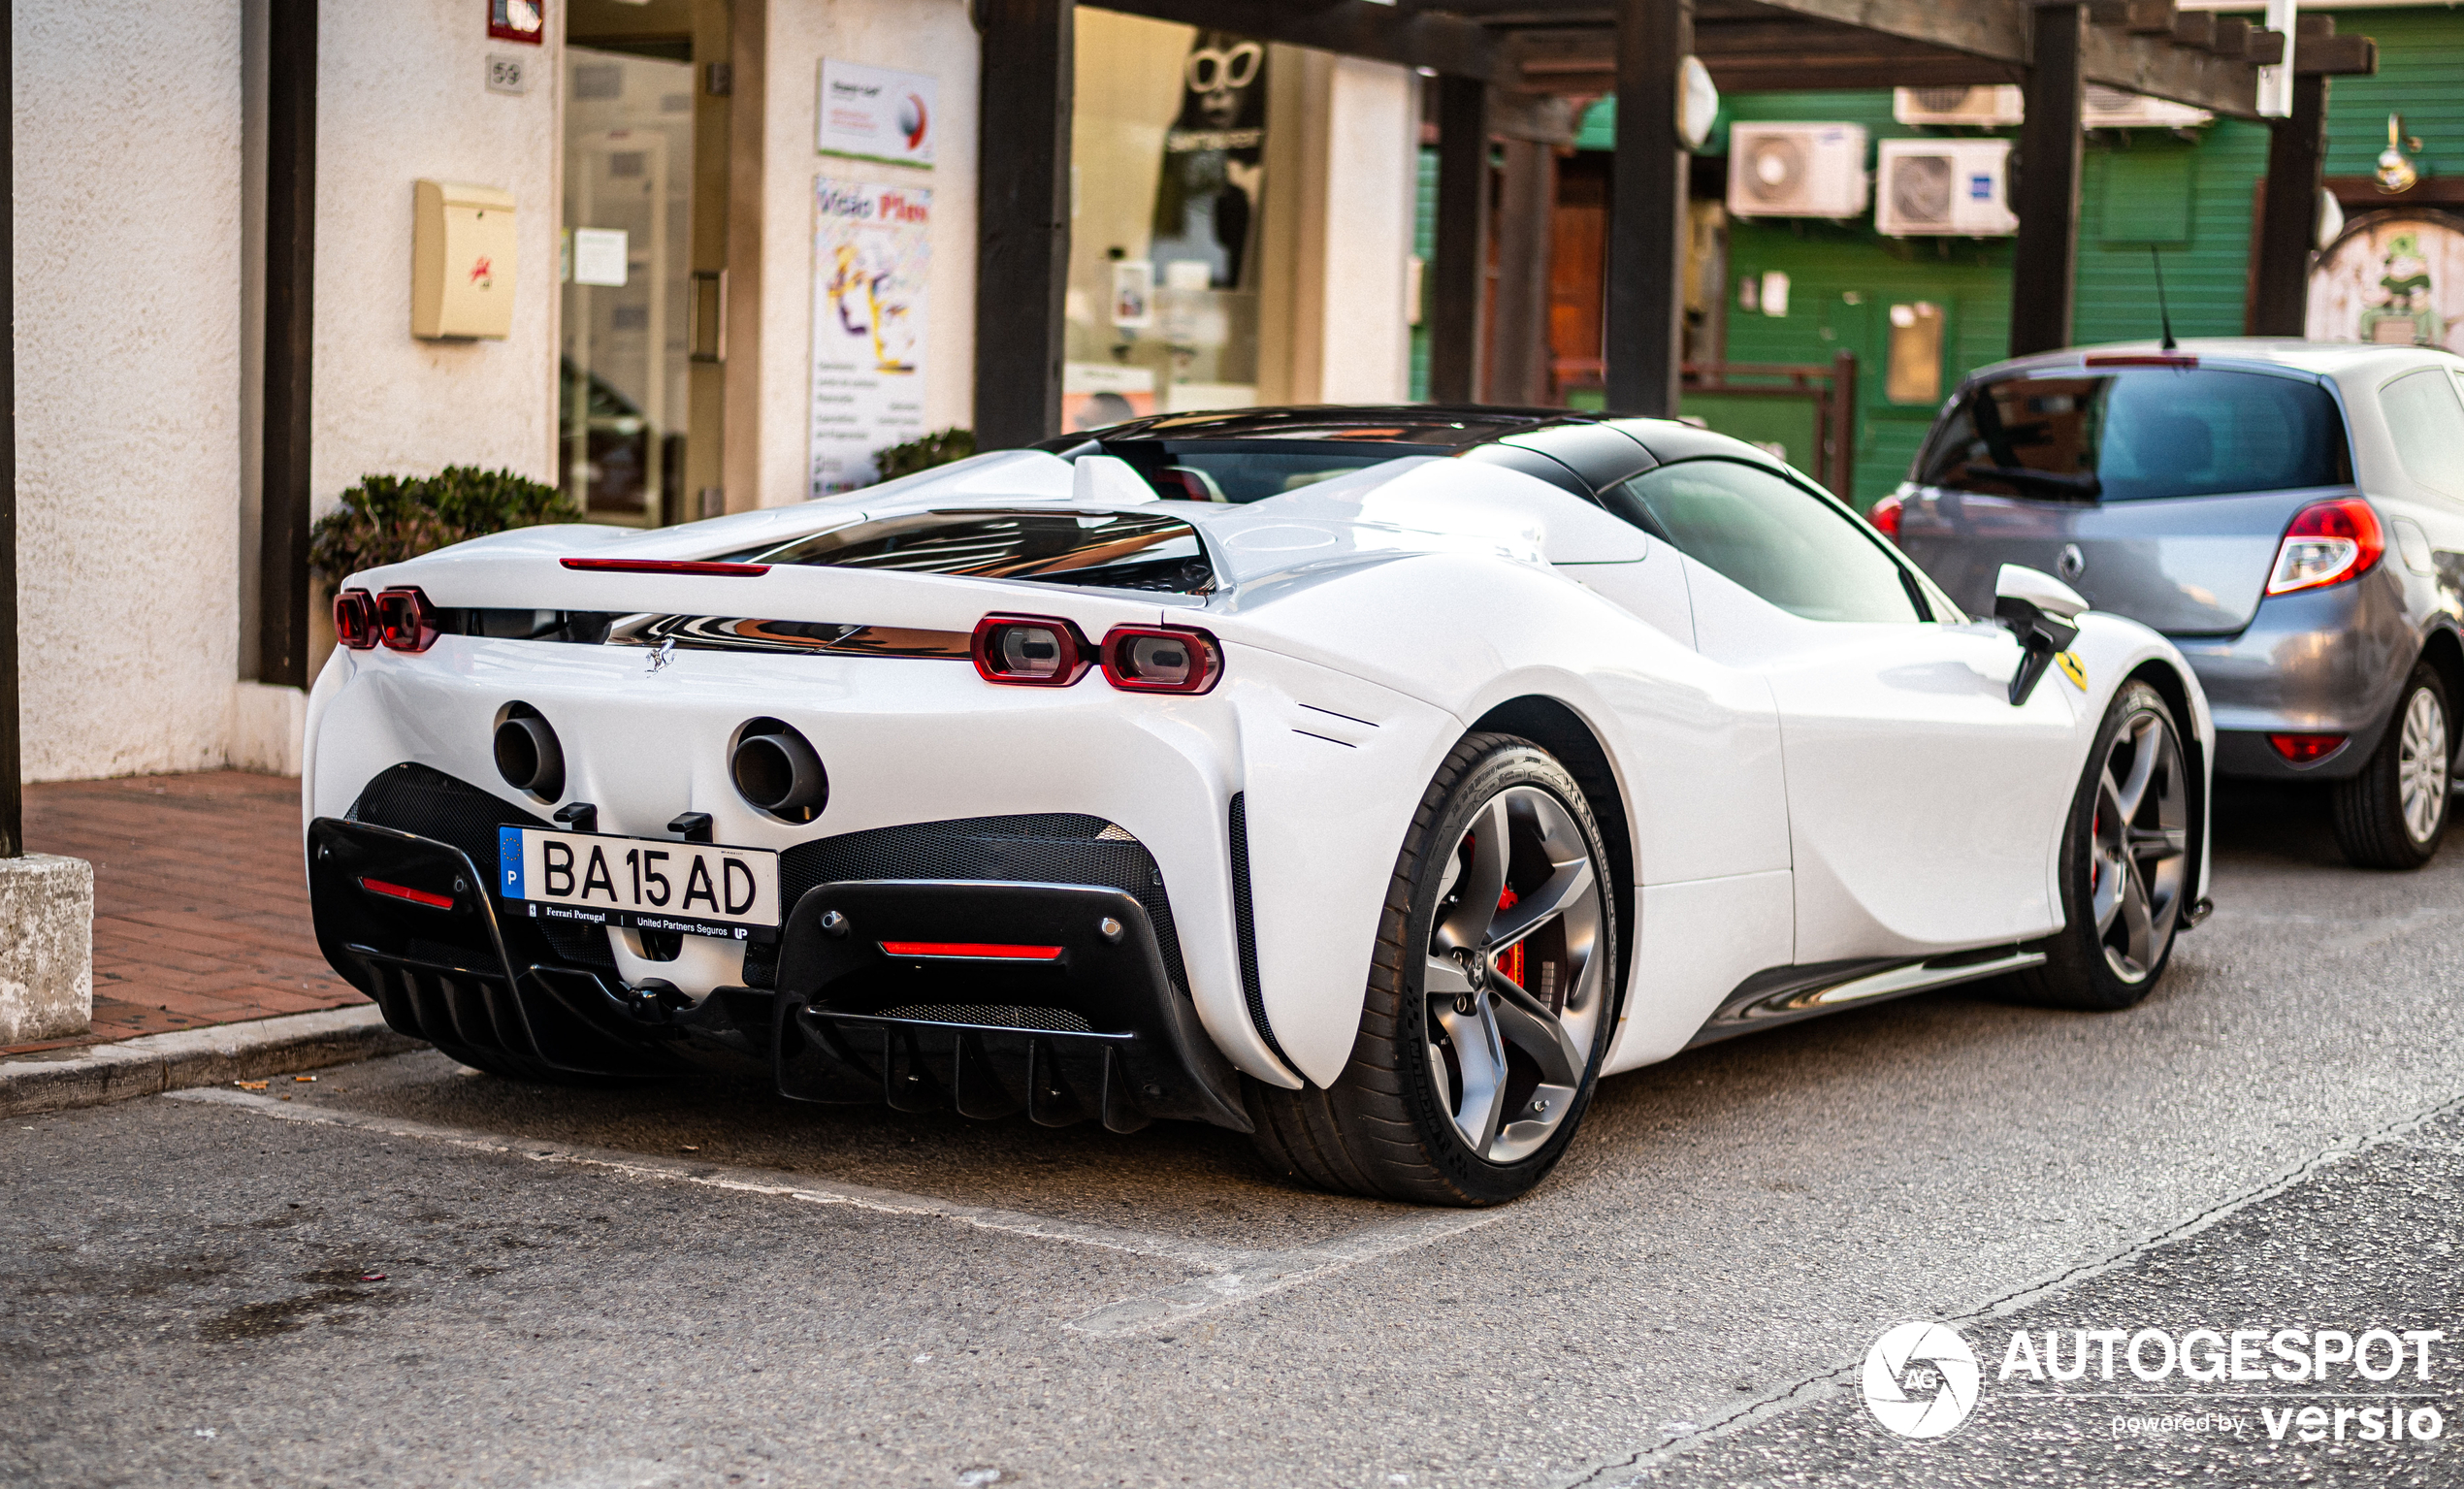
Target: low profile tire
2125,864
2394,812
1490,1002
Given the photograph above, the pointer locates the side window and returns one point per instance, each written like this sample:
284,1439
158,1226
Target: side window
1798,550
2427,424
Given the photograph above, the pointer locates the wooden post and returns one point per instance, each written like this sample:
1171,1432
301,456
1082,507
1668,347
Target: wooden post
1647,209
2289,212
1458,279
1527,199
2044,262
1841,435
283,594
1029,49
12,755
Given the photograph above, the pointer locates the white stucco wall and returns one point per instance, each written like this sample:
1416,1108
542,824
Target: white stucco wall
401,96
920,35
127,280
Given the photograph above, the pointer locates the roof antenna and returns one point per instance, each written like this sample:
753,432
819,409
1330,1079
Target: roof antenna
2163,314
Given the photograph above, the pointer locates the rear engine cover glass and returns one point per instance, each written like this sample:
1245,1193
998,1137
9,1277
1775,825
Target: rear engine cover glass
1105,550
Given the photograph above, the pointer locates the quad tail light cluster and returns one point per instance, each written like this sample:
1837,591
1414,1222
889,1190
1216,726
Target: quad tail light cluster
400,619
1042,651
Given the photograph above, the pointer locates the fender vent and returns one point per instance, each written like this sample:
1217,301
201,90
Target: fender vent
1245,926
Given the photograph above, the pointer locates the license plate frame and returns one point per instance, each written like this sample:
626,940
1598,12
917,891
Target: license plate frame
640,883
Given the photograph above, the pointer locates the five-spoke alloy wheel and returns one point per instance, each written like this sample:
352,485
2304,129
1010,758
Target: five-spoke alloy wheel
2394,813
1489,1004
2126,870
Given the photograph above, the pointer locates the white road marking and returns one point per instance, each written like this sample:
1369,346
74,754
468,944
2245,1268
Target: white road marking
1229,1274
1644,1465
1273,1271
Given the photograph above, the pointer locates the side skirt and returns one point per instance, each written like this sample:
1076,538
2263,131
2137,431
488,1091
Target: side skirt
1786,994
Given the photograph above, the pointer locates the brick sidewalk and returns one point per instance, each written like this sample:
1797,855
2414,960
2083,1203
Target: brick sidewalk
201,912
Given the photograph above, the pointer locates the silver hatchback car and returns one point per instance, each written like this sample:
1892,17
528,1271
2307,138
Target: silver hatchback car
2289,513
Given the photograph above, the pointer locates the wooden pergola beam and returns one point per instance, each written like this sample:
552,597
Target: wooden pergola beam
1450,45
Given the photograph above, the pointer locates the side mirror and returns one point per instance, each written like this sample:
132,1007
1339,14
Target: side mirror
2038,608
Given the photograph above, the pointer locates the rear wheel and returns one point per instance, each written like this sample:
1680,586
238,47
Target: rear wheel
2124,863
1490,1000
2394,812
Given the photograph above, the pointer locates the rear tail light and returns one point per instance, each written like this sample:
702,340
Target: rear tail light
1029,651
2327,543
1161,658
1885,516
404,620
2143,359
355,619
2305,749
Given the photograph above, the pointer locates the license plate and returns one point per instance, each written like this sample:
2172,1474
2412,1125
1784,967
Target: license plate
646,883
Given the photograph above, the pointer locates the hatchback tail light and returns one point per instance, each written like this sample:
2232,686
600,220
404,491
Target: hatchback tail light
355,619
2327,543
1029,651
1161,658
1885,516
405,620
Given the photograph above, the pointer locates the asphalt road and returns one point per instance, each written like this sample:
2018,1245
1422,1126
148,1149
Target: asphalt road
409,1274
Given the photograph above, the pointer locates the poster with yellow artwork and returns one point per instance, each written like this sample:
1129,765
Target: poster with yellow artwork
872,247
2393,277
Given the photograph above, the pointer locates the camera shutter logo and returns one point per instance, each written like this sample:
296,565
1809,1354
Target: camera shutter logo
1921,1380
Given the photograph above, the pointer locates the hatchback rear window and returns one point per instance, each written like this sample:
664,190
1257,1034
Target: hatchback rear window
2134,433
1108,550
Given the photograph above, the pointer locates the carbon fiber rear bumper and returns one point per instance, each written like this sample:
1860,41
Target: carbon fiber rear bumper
1100,1030
1090,1026
408,920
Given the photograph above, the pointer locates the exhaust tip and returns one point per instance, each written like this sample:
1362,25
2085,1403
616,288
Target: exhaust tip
776,769
528,755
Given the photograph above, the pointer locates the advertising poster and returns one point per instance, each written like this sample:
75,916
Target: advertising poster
872,247
876,113
2392,277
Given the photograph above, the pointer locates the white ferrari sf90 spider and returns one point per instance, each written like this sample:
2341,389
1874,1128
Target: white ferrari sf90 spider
1371,783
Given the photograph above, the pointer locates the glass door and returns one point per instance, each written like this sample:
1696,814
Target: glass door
624,401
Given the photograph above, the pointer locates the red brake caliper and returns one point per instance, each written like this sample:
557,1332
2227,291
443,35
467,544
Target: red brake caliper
1509,964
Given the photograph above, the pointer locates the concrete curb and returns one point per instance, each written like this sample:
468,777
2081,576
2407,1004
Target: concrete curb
146,1066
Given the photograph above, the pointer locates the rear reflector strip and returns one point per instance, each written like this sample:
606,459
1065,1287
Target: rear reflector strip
2305,749
404,892
704,567
971,951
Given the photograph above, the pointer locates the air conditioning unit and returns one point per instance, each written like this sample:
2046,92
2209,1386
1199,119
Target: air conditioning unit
2113,109
1944,188
1987,106
1796,170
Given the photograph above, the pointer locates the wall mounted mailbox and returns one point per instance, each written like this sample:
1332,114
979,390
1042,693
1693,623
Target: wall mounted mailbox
462,262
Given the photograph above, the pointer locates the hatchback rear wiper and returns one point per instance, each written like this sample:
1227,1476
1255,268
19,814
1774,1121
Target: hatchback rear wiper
2085,486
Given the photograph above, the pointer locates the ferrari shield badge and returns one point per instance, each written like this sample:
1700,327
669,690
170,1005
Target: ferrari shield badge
2072,668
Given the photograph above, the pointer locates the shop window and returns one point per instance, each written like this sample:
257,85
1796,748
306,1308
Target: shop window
1168,163
1913,373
